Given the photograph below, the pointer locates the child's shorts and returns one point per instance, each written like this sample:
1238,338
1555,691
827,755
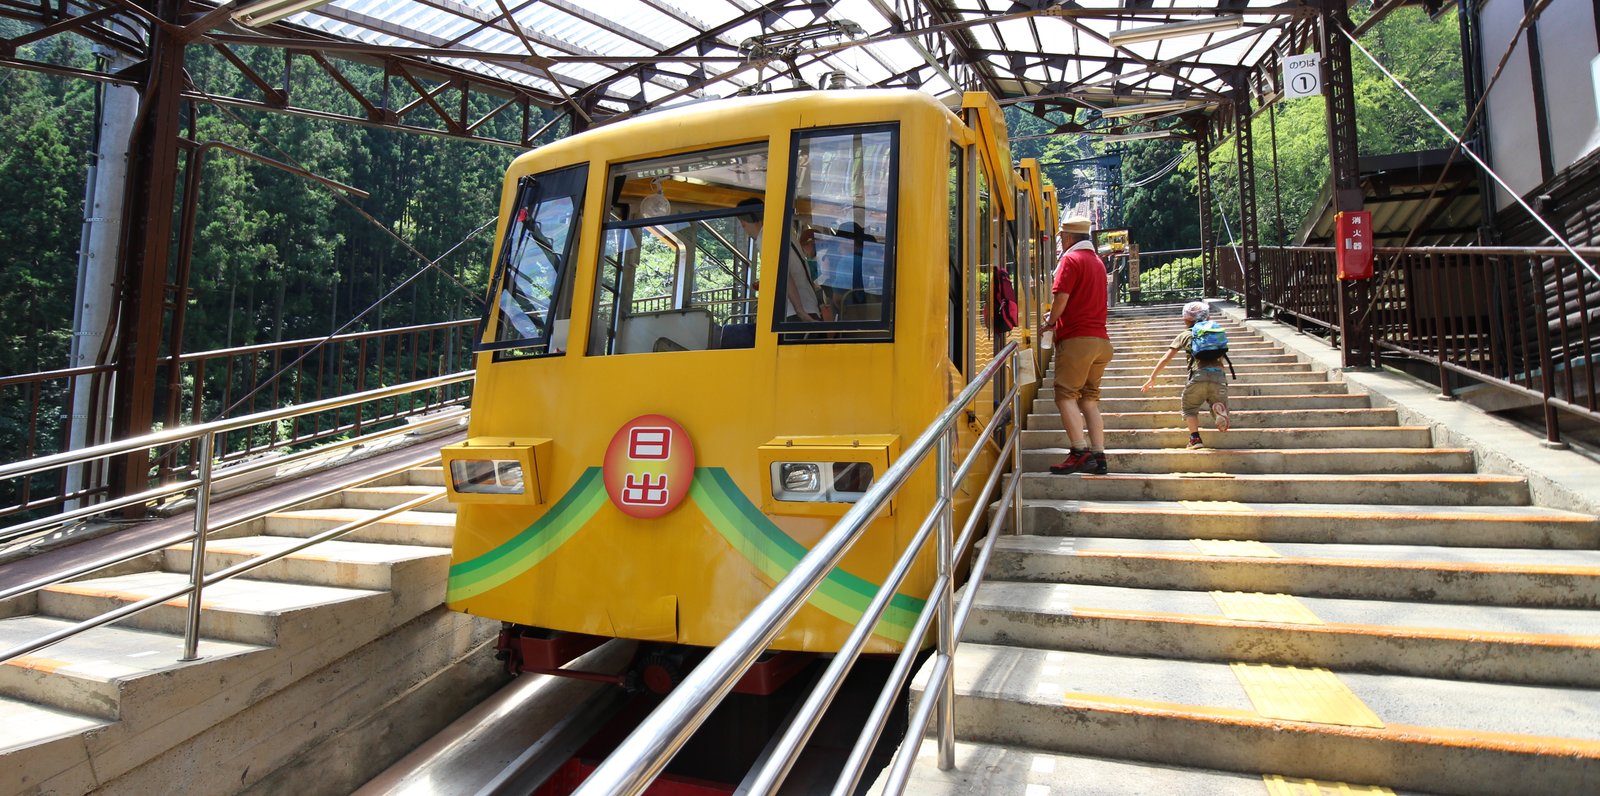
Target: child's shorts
1199,395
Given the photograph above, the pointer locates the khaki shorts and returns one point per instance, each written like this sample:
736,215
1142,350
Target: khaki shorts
1080,362
1199,395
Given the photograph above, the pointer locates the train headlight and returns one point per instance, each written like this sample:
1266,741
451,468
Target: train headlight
497,470
822,476
486,476
820,482
798,477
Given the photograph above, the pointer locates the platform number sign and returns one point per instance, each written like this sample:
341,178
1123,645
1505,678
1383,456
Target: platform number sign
649,466
1302,76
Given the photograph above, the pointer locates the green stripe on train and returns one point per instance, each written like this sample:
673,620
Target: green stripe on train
752,534
522,552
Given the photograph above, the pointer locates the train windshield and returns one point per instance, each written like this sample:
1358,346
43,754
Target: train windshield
679,260
533,281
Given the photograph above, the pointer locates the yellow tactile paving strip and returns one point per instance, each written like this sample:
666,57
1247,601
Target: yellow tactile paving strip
1235,548
1258,607
1296,694
1278,785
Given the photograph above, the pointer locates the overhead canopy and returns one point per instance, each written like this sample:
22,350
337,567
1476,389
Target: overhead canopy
602,61
627,54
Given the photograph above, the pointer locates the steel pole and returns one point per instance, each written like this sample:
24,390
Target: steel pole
944,713
197,553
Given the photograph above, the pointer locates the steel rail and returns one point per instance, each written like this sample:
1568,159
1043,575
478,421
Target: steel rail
645,752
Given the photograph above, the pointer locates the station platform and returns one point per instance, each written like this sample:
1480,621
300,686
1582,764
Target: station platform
1357,588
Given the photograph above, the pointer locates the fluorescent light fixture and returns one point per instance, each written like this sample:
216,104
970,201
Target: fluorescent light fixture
1136,136
1149,107
1193,27
266,12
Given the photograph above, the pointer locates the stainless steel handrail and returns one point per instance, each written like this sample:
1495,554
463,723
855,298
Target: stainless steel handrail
198,553
95,565
206,434
12,533
186,433
645,752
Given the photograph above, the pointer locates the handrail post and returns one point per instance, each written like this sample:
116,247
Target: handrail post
197,552
1016,450
945,645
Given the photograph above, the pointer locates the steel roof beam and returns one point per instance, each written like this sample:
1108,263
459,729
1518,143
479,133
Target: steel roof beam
960,40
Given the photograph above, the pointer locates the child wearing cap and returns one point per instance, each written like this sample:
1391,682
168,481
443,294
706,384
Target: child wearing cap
1207,385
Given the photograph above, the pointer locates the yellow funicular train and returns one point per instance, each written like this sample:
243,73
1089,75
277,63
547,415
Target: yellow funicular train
710,328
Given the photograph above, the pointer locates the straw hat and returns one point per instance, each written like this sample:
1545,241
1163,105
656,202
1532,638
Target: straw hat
1077,225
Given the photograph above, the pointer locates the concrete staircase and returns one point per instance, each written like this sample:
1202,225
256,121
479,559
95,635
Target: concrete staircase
315,670
1320,596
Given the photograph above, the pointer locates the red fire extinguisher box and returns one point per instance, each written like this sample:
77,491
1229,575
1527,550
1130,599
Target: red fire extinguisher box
1353,239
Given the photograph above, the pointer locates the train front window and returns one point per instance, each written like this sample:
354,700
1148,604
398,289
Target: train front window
679,261
841,226
533,283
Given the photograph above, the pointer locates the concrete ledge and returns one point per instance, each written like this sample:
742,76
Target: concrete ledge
1556,479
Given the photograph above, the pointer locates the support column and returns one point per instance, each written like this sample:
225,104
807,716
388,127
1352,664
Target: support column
1355,296
95,298
147,235
1208,254
1249,243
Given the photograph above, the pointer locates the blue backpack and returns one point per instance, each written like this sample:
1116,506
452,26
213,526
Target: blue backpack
1209,344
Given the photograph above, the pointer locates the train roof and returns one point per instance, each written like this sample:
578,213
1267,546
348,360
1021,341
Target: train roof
735,112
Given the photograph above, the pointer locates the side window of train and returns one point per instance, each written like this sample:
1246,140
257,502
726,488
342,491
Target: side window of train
958,308
680,253
837,278
533,280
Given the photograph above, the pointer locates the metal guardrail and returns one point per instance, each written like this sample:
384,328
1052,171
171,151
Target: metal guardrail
645,752
205,435
36,408
1520,318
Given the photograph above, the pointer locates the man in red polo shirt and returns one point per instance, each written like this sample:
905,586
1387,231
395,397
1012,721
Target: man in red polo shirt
1083,348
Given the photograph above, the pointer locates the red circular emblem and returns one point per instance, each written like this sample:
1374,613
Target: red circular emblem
649,466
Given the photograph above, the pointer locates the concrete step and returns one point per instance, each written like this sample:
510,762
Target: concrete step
425,528
426,476
1451,526
1236,403
985,768
1485,576
351,565
1542,646
1125,363
105,671
1395,731
1280,419
383,497
1179,377
1258,438
1246,461
247,611
1449,489
1235,390
43,748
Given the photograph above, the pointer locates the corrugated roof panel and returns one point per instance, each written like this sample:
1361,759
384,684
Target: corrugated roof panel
642,28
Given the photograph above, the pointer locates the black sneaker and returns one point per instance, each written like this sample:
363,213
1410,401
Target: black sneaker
1096,464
